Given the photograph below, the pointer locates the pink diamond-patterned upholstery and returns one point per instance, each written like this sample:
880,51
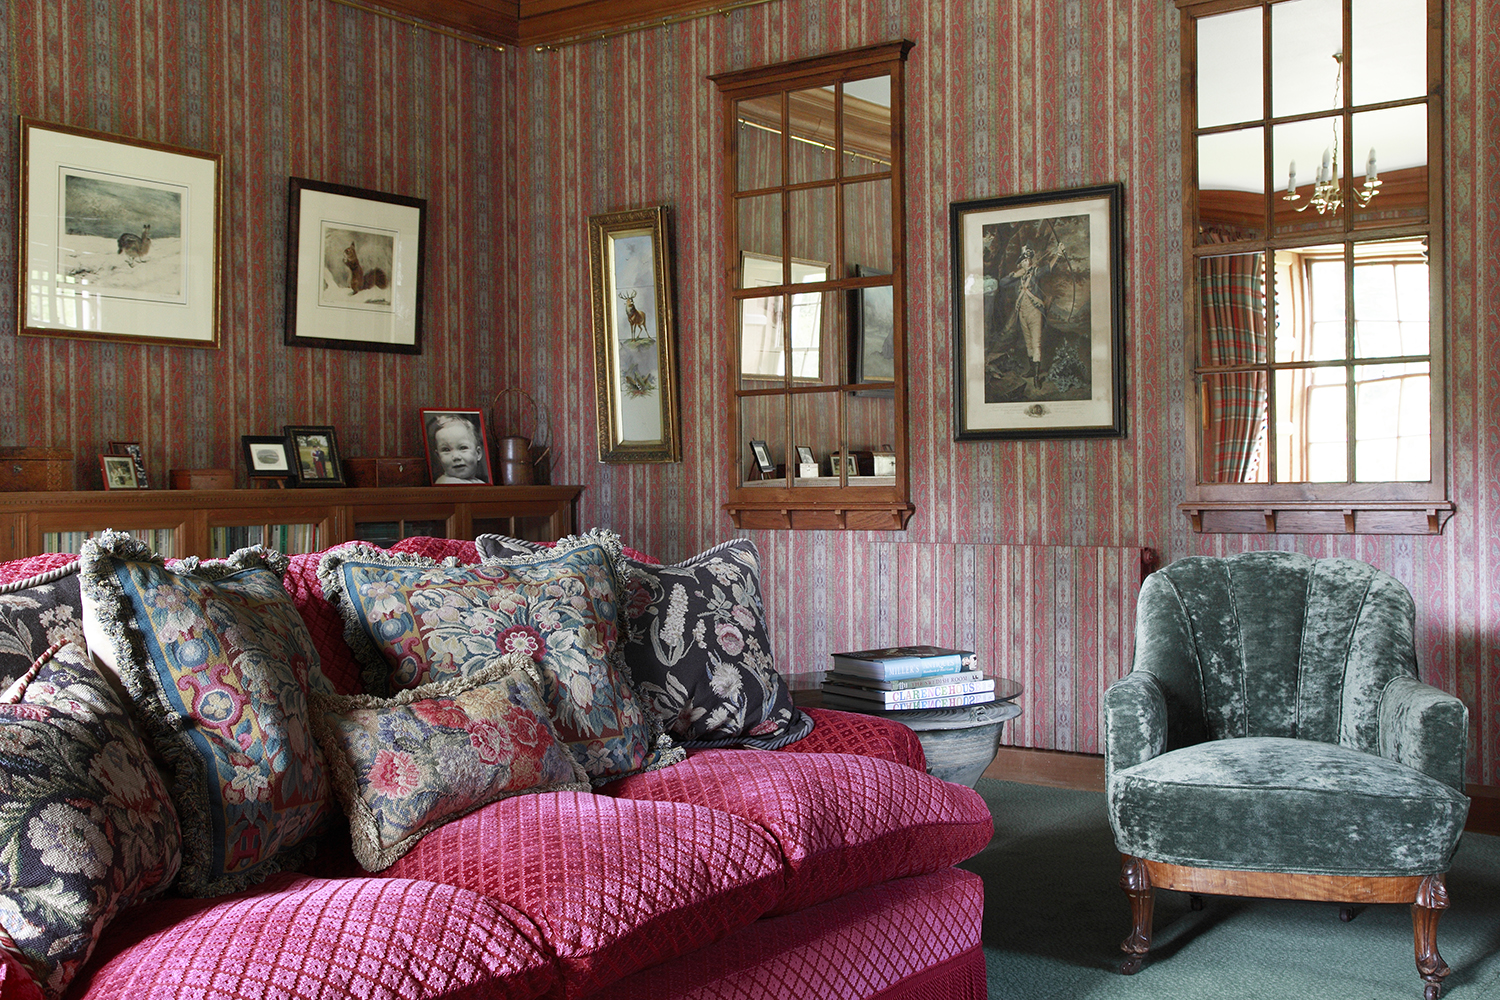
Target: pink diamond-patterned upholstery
323,624
311,939
842,821
465,552
614,884
15,982
868,735
22,569
914,938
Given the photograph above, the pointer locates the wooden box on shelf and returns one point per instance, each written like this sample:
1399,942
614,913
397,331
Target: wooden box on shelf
202,479
35,469
385,471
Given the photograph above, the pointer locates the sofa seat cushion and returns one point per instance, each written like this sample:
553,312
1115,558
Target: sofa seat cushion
614,885
1284,805
312,939
860,945
842,821
867,735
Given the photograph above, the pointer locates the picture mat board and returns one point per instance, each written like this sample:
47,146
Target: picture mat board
186,314
320,212
636,387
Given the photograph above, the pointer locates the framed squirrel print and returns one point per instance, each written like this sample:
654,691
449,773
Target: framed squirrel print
354,268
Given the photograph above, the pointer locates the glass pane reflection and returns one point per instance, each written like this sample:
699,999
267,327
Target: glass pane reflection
1393,423
1311,425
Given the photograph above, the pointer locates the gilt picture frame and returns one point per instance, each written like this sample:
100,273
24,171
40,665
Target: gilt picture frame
354,268
1039,345
635,366
119,238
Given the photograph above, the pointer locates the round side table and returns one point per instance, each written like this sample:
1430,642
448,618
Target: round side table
961,742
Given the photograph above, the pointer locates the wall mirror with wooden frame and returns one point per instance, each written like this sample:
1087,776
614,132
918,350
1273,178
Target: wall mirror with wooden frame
1312,166
815,276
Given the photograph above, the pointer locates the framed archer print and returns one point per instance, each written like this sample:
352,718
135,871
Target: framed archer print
119,238
1038,323
354,268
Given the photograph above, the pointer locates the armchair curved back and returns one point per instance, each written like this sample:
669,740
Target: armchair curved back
1274,644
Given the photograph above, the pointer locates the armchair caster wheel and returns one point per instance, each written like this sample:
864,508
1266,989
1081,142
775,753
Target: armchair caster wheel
1348,913
1432,991
1195,902
1131,964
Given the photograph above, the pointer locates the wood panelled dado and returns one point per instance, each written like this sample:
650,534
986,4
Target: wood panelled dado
537,22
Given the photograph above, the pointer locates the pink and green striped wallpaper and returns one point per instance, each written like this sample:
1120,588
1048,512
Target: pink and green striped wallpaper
1025,549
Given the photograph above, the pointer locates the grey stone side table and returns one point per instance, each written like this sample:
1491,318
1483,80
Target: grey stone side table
961,742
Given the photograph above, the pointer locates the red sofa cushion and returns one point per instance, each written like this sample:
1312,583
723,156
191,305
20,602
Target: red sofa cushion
842,821
296,937
615,885
323,624
23,569
867,735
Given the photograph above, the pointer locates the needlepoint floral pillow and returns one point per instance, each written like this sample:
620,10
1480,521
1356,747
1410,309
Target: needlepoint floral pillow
35,614
699,650
406,765
413,621
86,826
219,665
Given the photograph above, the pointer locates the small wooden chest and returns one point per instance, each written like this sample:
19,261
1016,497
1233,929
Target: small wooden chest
202,479
31,469
385,471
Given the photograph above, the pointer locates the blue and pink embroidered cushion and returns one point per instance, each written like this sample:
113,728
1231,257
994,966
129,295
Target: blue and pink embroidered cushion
86,827
406,765
219,666
412,621
698,648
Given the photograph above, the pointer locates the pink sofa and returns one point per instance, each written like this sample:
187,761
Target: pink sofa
821,870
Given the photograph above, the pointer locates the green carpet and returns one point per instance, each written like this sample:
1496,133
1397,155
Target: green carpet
1054,917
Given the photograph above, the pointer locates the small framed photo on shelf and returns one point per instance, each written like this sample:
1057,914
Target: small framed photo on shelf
762,457
133,449
851,465
807,466
457,452
119,472
267,459
315,455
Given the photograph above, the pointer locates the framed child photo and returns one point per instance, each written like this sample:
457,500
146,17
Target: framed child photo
315,455
457,452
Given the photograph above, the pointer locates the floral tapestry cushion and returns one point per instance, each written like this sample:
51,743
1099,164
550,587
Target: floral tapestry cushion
412,621
219,666
406,765
35,614
698,648
86,826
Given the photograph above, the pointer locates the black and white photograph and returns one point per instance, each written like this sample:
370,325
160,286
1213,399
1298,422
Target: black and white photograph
315,451
119,472
872,326
457,452
137,458
354,268
762,457
266,456
120,237
1038,328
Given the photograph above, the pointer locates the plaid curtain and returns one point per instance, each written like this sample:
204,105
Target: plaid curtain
1231,298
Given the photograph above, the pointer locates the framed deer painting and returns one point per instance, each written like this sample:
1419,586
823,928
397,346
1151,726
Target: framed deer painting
354,268
635,370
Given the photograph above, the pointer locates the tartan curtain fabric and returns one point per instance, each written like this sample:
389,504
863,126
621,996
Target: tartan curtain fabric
1231,299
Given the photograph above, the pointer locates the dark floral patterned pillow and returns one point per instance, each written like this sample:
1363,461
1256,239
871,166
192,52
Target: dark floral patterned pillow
698,648
35,614
86,825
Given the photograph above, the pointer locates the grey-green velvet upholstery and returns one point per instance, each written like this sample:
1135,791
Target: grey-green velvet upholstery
1273,722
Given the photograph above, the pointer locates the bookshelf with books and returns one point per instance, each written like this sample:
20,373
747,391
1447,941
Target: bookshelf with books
213,523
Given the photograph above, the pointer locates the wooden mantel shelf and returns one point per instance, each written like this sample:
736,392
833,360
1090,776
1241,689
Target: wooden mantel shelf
834,515
1396,517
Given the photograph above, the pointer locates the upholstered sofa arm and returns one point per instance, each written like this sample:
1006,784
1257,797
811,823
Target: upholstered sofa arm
1424,728
1135,721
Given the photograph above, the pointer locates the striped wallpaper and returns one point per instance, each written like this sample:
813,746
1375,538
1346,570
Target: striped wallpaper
1025,546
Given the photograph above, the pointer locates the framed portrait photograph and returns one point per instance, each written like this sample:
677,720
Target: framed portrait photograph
872,334
314,453
137,456
635,366
804,455
762,455
354,268
119,238
119,472
1038,321
267,457
457,451
764,321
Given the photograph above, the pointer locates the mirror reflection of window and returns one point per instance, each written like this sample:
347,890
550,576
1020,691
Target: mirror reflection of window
763,321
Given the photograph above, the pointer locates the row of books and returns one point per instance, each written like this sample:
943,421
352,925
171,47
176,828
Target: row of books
161,540
906,678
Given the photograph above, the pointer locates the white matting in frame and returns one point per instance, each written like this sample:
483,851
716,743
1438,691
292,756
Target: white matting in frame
119,238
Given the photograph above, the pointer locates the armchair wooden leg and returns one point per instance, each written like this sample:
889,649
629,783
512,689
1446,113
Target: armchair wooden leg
1431,901
1136,881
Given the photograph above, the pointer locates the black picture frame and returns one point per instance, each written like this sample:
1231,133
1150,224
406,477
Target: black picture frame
365,295
1038,315
259,450
314,452
762,454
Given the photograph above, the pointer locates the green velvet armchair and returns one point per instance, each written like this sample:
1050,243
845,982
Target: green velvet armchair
1273,740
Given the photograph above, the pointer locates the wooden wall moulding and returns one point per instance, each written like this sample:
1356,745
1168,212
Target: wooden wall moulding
1313,518
540,22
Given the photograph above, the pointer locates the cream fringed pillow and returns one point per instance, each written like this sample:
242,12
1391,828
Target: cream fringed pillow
403,766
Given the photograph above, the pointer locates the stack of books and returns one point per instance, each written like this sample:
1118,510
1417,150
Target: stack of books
905,678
